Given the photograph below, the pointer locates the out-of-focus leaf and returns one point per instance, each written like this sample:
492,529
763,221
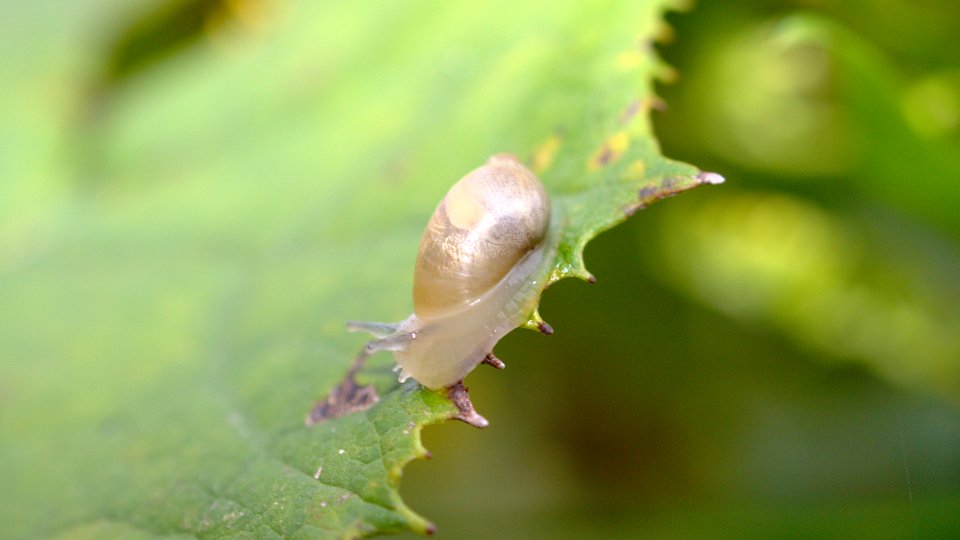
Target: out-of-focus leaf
220,215
860,263
901,167
796,267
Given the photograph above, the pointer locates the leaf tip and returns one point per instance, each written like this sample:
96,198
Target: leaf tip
711,178
580,273
459,395
420,526
537,324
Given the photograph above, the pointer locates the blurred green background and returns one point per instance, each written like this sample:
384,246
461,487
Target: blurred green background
777,357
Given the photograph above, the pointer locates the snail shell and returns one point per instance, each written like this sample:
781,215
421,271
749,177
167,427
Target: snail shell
484,225
481,261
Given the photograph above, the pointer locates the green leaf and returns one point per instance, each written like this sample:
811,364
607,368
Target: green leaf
174,296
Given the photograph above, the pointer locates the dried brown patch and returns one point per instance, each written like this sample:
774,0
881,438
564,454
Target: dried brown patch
610,151
345,398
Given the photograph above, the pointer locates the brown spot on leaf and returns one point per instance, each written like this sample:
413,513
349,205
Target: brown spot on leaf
648,193
630,111
345,398
612,149
603,156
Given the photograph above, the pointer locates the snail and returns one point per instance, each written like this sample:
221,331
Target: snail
481,265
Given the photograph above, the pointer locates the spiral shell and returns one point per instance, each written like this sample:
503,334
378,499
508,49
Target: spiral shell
484,225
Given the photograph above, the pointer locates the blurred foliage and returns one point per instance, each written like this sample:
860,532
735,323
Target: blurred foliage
779,357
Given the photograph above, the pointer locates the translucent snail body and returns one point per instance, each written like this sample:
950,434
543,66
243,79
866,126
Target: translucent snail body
478,274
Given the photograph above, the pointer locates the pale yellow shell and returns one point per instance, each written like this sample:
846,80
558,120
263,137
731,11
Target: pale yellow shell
482,228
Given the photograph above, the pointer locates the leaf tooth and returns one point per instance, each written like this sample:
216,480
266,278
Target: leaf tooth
677,5
656,103
580,272
573,266
664,32
493,361
545,328
537,324
665,73
459,395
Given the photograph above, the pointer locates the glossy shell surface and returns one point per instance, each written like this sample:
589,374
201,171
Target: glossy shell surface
486,223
